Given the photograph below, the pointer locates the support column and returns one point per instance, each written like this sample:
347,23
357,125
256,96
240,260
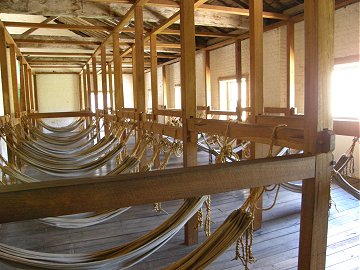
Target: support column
290,97
118,79
256,77
32,105
95,83
111,92
154,75
27,89
80,94
86,105
22,87
319,57
207,78
36,97
238,74
88,80
14,81
4,72
104,87
188,99
135,92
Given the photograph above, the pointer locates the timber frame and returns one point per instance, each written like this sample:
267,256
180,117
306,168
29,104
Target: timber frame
312,132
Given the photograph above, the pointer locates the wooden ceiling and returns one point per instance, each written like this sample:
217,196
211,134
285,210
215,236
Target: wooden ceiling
91,21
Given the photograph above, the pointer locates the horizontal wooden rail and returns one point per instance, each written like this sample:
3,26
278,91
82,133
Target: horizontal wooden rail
61,197
162,129
60,114
275,110
168,112
285,136
216,112
347,127
296,121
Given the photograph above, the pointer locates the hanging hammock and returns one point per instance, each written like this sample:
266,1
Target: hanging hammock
67,128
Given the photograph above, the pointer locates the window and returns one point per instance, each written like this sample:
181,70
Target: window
228,95
177,97
346,91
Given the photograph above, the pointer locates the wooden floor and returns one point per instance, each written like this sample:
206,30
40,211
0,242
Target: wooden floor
275,245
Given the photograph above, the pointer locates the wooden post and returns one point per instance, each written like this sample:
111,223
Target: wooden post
95,83
104,86
154,80
118,79
27,89
80,94
32,105
85,90
290,61
319,56
36,98
22,87
188,99
111,92
256,76
207,78
14,81
134,76
88,80
4,72
238,74
164,84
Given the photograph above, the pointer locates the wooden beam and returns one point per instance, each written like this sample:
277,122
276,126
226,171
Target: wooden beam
104,78
207,79
118,80
347,127
4,72
319,59
290,66
55,66
27,89
55,41
154,79
14,80
33,29
43,25
55,54
61,197
60,114
238,71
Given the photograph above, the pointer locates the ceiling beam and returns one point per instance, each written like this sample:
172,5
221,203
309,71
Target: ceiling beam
32,30
55,41
78,27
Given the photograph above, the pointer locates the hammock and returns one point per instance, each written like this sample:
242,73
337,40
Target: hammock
67,128
120,257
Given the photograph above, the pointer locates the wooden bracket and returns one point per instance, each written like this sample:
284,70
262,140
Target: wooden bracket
325,141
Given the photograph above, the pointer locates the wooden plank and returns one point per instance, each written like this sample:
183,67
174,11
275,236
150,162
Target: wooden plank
4,72
168,112
60,197
290,67
276,109
36,97
295,121
188,99
104,78
154,75
38,53
60,114
238,71
55,41
56,72
347,59
347,127
218,112
14,80
118,80
162,129
164,85
319,58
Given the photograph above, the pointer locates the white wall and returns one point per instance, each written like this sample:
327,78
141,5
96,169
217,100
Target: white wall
58,93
